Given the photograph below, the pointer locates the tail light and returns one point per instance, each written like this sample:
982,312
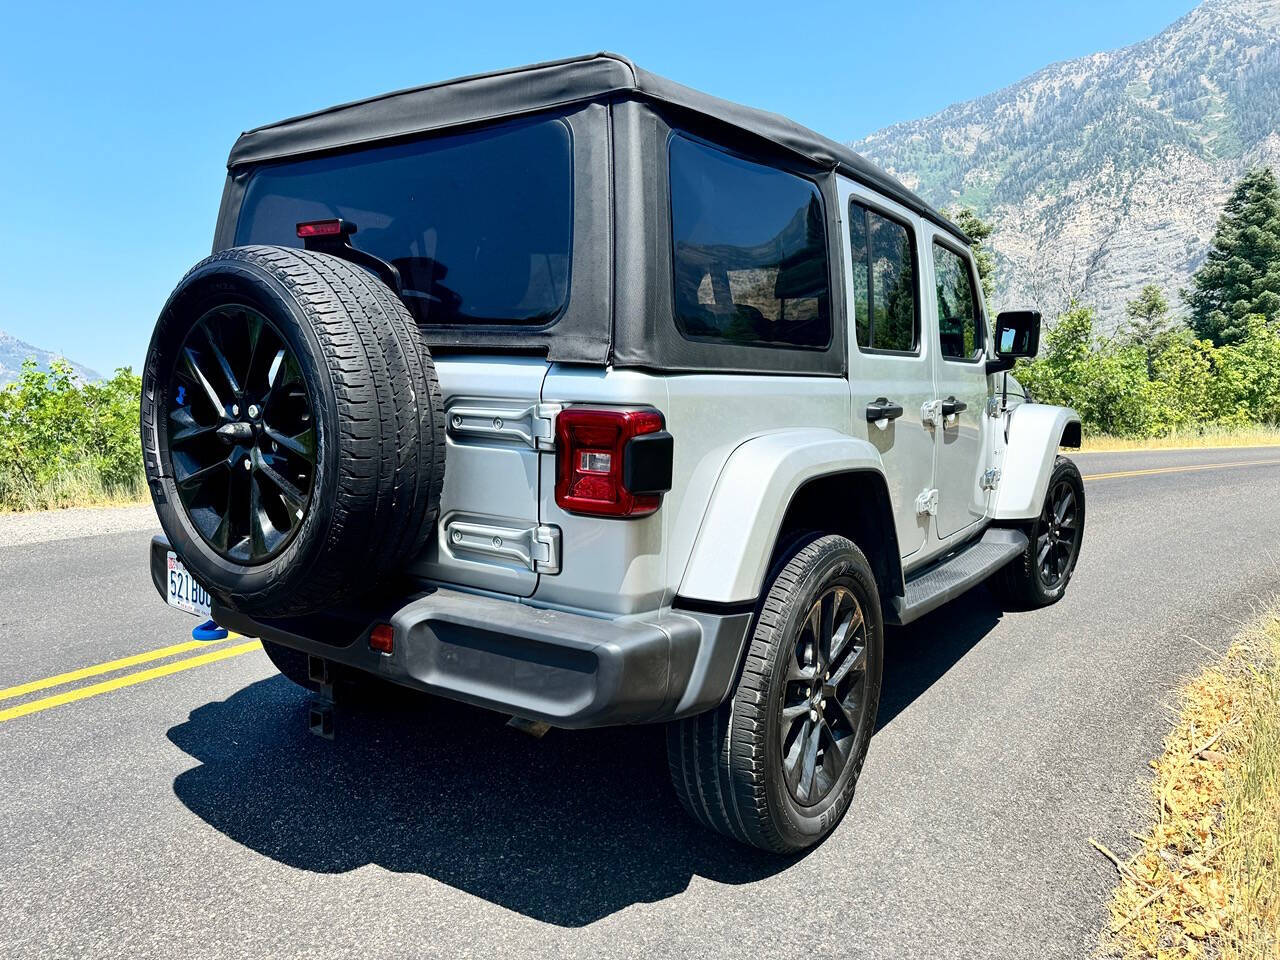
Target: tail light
611,463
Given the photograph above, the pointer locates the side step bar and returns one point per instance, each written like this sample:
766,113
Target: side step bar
933,586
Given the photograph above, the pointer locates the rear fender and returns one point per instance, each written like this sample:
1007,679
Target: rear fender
1034,432
759,480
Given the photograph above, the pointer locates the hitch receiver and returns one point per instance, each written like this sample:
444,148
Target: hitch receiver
320,710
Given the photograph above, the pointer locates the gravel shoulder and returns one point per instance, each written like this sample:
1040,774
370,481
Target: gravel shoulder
24,529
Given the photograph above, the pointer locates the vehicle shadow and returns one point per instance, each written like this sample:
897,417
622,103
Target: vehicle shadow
567,829
919,654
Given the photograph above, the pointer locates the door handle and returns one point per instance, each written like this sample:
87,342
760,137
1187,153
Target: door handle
882,408
951,406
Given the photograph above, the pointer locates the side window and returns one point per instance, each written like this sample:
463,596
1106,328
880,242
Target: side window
886,301
749,249
959,313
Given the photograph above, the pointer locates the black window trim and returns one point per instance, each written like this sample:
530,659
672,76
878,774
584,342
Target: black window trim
869,206
832,275
980,349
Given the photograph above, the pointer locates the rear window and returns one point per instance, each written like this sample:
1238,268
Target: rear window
750,251
478,224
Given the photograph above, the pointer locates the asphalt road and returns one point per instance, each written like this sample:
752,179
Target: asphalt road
192,815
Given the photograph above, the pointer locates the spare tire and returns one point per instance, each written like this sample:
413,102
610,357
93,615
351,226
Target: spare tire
292,429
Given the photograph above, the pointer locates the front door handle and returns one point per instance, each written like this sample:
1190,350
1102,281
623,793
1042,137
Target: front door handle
882,408
951,406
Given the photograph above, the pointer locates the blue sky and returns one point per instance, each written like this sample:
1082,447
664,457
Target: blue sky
118,117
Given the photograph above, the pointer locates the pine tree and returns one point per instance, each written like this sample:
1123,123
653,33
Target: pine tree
978,231
1148,322
1241,276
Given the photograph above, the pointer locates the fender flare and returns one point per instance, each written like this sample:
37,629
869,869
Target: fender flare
751,497
1034,432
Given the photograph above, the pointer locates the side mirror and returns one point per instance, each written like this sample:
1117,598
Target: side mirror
1017,335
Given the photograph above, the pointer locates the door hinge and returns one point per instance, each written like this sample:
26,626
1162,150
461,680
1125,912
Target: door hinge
532,424
994,406
537,548
991,478
930,412
927,502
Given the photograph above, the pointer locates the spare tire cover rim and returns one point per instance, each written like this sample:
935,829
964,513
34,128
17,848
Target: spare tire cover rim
241,434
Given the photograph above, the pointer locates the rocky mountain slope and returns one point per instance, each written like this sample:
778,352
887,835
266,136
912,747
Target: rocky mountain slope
14,351
1109,172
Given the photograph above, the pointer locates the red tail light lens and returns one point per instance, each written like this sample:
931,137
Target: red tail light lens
382,638
591,449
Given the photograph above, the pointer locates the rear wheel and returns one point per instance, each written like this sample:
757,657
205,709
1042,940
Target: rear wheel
776,766
1040,574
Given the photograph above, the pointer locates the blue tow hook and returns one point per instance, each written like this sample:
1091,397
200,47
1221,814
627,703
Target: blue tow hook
209,631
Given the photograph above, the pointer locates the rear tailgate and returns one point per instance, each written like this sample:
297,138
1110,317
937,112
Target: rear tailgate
488,535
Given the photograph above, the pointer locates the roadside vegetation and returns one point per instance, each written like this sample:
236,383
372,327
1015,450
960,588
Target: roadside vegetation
1209,436
64,443
1205,881
1207,376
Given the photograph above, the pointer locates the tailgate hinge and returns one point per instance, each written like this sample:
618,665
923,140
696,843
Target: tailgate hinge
991,478
532,424
544,425
930,413
536,548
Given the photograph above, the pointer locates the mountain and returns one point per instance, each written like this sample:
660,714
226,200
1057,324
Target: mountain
13,351
1106,173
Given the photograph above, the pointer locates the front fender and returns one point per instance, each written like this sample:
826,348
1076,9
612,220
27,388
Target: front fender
1034,434
750,499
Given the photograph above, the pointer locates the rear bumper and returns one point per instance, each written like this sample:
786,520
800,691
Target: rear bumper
565,669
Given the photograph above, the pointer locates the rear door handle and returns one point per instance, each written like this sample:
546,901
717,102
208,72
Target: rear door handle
951,406
882,408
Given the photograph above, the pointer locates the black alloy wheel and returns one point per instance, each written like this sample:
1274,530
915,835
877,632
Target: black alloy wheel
1057,534
777,763
1039,574
242,435
821,714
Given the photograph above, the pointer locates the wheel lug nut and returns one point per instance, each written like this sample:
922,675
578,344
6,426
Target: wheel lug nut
235,409
822,705
254,410
813,716
247,464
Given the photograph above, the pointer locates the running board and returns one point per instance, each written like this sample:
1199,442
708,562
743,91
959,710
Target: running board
932,587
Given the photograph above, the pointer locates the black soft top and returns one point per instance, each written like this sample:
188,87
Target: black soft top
543,86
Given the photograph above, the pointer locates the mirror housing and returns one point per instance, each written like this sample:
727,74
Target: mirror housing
1017,336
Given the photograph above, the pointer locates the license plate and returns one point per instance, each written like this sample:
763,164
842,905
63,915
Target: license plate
184,592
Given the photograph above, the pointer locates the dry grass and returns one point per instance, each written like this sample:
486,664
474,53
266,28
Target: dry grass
1206,881
1254,436
77,485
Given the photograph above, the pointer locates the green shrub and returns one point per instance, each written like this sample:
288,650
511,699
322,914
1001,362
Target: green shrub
1170,382
64,443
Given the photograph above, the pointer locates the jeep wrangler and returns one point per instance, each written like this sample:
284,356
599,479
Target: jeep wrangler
578,395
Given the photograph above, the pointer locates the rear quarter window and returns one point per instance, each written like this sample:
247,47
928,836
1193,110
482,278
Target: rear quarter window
749,250
479,224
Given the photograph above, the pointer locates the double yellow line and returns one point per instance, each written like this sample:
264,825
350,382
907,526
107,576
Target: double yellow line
1184,468
125,680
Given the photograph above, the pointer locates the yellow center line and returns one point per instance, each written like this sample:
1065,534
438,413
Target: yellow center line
1182,469
128,680
23,689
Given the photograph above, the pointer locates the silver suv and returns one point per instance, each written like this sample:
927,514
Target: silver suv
579,395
